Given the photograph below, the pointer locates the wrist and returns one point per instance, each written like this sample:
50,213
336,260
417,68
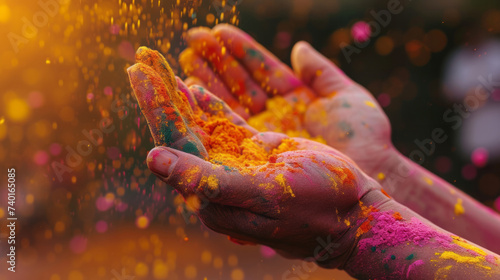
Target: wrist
384,158
394,171
390,228
402,245
359,217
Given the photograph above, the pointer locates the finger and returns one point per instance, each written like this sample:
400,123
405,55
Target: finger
164,119
194,81
241,242
209,103
220,184
302,94
269,140
265,68
160,65
194,65
195,106
306,144
235,76
189,95
319,73
242,226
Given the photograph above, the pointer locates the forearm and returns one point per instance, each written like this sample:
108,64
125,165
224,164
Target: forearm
440,202
399,244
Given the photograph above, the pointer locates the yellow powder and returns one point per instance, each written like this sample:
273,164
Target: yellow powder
428,181
459,208
211,181
371,104
462,243
442,272
283,117
448,255
266,186
280,179
190,173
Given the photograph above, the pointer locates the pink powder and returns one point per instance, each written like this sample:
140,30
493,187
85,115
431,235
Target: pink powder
412,266
491,259
387,231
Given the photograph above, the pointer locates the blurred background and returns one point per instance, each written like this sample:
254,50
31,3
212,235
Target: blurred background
87,206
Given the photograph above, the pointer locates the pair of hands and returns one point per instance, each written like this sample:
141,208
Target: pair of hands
311,192
311,202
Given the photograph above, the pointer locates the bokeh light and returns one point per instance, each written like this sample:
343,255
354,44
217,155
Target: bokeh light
71,76
479,157
361,31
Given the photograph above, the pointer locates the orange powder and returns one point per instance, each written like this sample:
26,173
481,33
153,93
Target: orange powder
229,144
157,61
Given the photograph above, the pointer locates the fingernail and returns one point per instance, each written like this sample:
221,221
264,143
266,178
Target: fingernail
305,47
141,51
162,162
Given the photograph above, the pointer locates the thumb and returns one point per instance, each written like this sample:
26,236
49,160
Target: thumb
317,71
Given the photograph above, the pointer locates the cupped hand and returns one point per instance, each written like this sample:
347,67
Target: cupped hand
265,188
239,70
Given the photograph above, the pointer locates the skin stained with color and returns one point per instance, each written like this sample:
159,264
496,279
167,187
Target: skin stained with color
371,222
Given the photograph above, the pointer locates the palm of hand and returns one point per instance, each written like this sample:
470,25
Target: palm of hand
352,122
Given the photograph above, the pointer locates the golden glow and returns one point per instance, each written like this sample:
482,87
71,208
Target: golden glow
17,109
4,13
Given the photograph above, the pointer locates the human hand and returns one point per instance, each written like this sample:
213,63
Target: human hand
235,67
265,188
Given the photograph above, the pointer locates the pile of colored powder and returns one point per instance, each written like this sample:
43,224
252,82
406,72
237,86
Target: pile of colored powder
283,116
230,145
